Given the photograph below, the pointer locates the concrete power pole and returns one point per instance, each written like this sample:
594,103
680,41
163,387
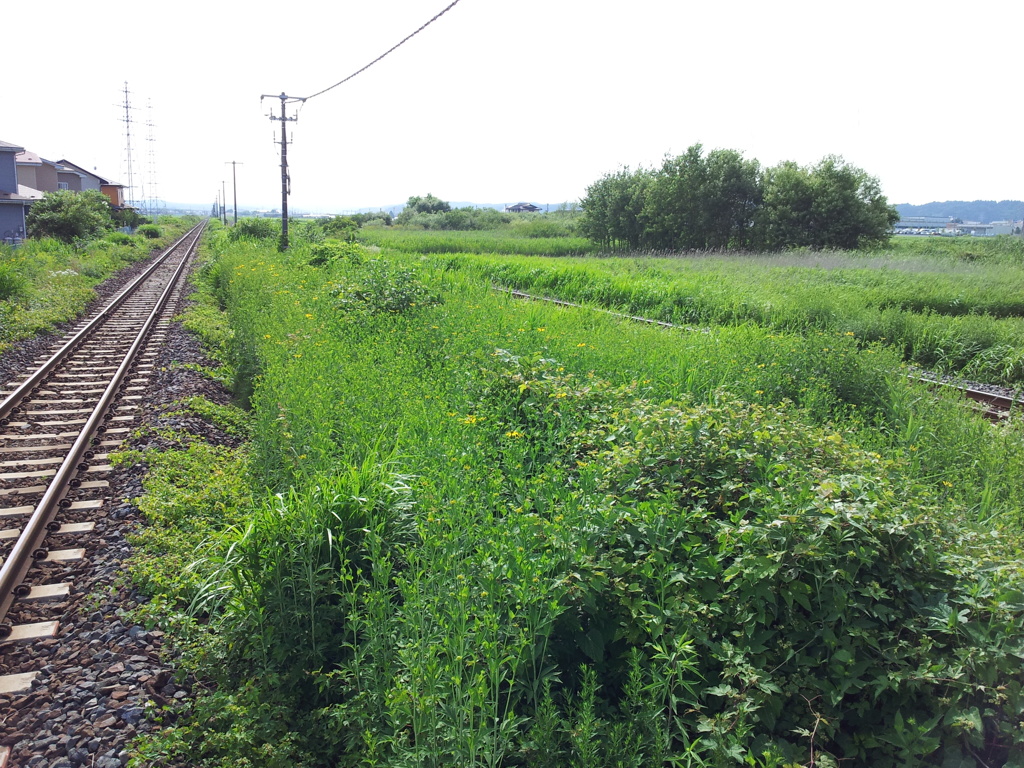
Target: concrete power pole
285,180
234,185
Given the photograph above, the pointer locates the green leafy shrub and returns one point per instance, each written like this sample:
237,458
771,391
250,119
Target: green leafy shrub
255,229
379,287
322,254
12,282
69,216
816,591
287,573
121,238
149,231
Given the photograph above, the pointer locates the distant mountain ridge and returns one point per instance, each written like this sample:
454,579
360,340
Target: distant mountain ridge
983,211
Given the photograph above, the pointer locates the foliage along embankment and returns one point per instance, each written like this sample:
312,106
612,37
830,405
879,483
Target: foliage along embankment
940,312
503,534
45,282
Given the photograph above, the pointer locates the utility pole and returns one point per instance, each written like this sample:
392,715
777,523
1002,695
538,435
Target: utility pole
285,180
224,208
234,184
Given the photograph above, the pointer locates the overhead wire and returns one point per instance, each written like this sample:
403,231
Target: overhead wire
390,50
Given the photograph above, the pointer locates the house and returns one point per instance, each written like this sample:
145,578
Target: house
45,175
91,180
522,208
35,172
15,198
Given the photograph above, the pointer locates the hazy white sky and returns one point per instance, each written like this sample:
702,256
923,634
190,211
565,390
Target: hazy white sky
504,101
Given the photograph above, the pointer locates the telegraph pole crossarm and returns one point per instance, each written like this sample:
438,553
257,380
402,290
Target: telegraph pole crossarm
284,120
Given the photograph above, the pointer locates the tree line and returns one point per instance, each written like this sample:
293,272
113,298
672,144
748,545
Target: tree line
720,200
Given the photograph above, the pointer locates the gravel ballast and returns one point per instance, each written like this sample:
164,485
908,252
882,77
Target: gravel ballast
102,679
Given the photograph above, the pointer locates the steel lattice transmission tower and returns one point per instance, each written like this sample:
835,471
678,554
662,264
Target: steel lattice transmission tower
127,120
150,198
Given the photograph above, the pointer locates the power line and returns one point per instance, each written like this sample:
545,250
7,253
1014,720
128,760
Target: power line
284,119
392,48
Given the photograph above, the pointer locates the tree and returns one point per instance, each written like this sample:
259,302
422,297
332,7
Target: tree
128,217
428,204
612,209
829,205
70,216
731,195
721,200
673,214
702,201
786,209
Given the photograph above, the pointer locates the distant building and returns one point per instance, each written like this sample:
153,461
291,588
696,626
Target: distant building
522,208
939,225
985,230
923,222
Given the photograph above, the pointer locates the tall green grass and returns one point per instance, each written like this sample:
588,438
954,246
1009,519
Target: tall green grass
504,533
521,240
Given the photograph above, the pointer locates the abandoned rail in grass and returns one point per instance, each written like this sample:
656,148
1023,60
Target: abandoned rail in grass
996,406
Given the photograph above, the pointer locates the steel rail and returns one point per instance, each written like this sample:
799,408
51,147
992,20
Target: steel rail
517,294
11,406
28,546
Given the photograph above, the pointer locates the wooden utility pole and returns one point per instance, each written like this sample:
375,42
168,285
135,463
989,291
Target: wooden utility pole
285,180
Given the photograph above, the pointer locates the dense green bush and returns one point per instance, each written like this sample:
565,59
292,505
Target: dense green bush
542,225
811,591
12,282
121,238
149,231
255,229
69,216
322,254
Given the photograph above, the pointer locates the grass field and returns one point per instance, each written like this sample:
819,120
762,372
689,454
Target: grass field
936,311
474,531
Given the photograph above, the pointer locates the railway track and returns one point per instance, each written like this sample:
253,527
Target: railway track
996,405
58,424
